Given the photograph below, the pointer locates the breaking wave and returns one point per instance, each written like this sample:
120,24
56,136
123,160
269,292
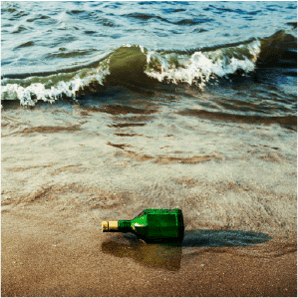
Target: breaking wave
134,64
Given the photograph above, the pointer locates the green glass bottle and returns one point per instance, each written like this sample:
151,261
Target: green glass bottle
151,225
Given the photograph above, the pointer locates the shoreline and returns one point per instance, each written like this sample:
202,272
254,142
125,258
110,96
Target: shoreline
238,195
52,257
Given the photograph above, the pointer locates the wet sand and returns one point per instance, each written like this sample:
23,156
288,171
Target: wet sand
64,171
43,255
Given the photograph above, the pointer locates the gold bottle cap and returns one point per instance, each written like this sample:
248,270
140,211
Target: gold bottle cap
105,226
110,226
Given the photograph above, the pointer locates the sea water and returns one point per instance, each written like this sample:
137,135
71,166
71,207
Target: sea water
132,105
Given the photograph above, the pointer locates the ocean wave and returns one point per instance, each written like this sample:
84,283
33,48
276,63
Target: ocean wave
134,64
200,66
47,90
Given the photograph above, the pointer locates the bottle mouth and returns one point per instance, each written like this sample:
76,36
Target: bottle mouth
105,226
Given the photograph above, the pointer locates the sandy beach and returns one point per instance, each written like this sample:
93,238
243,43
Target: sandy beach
109,108
43,256
67,168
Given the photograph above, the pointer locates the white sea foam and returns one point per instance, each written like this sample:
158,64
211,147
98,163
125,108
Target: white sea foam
37,91
201,66
127,45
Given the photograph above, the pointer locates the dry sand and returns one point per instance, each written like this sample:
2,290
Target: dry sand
65,171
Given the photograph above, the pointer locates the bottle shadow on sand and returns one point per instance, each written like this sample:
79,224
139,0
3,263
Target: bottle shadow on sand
169,255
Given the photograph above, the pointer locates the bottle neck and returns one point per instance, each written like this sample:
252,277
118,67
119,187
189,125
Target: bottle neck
116,226
124,226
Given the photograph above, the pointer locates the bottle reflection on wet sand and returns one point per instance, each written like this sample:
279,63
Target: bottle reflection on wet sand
166,256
